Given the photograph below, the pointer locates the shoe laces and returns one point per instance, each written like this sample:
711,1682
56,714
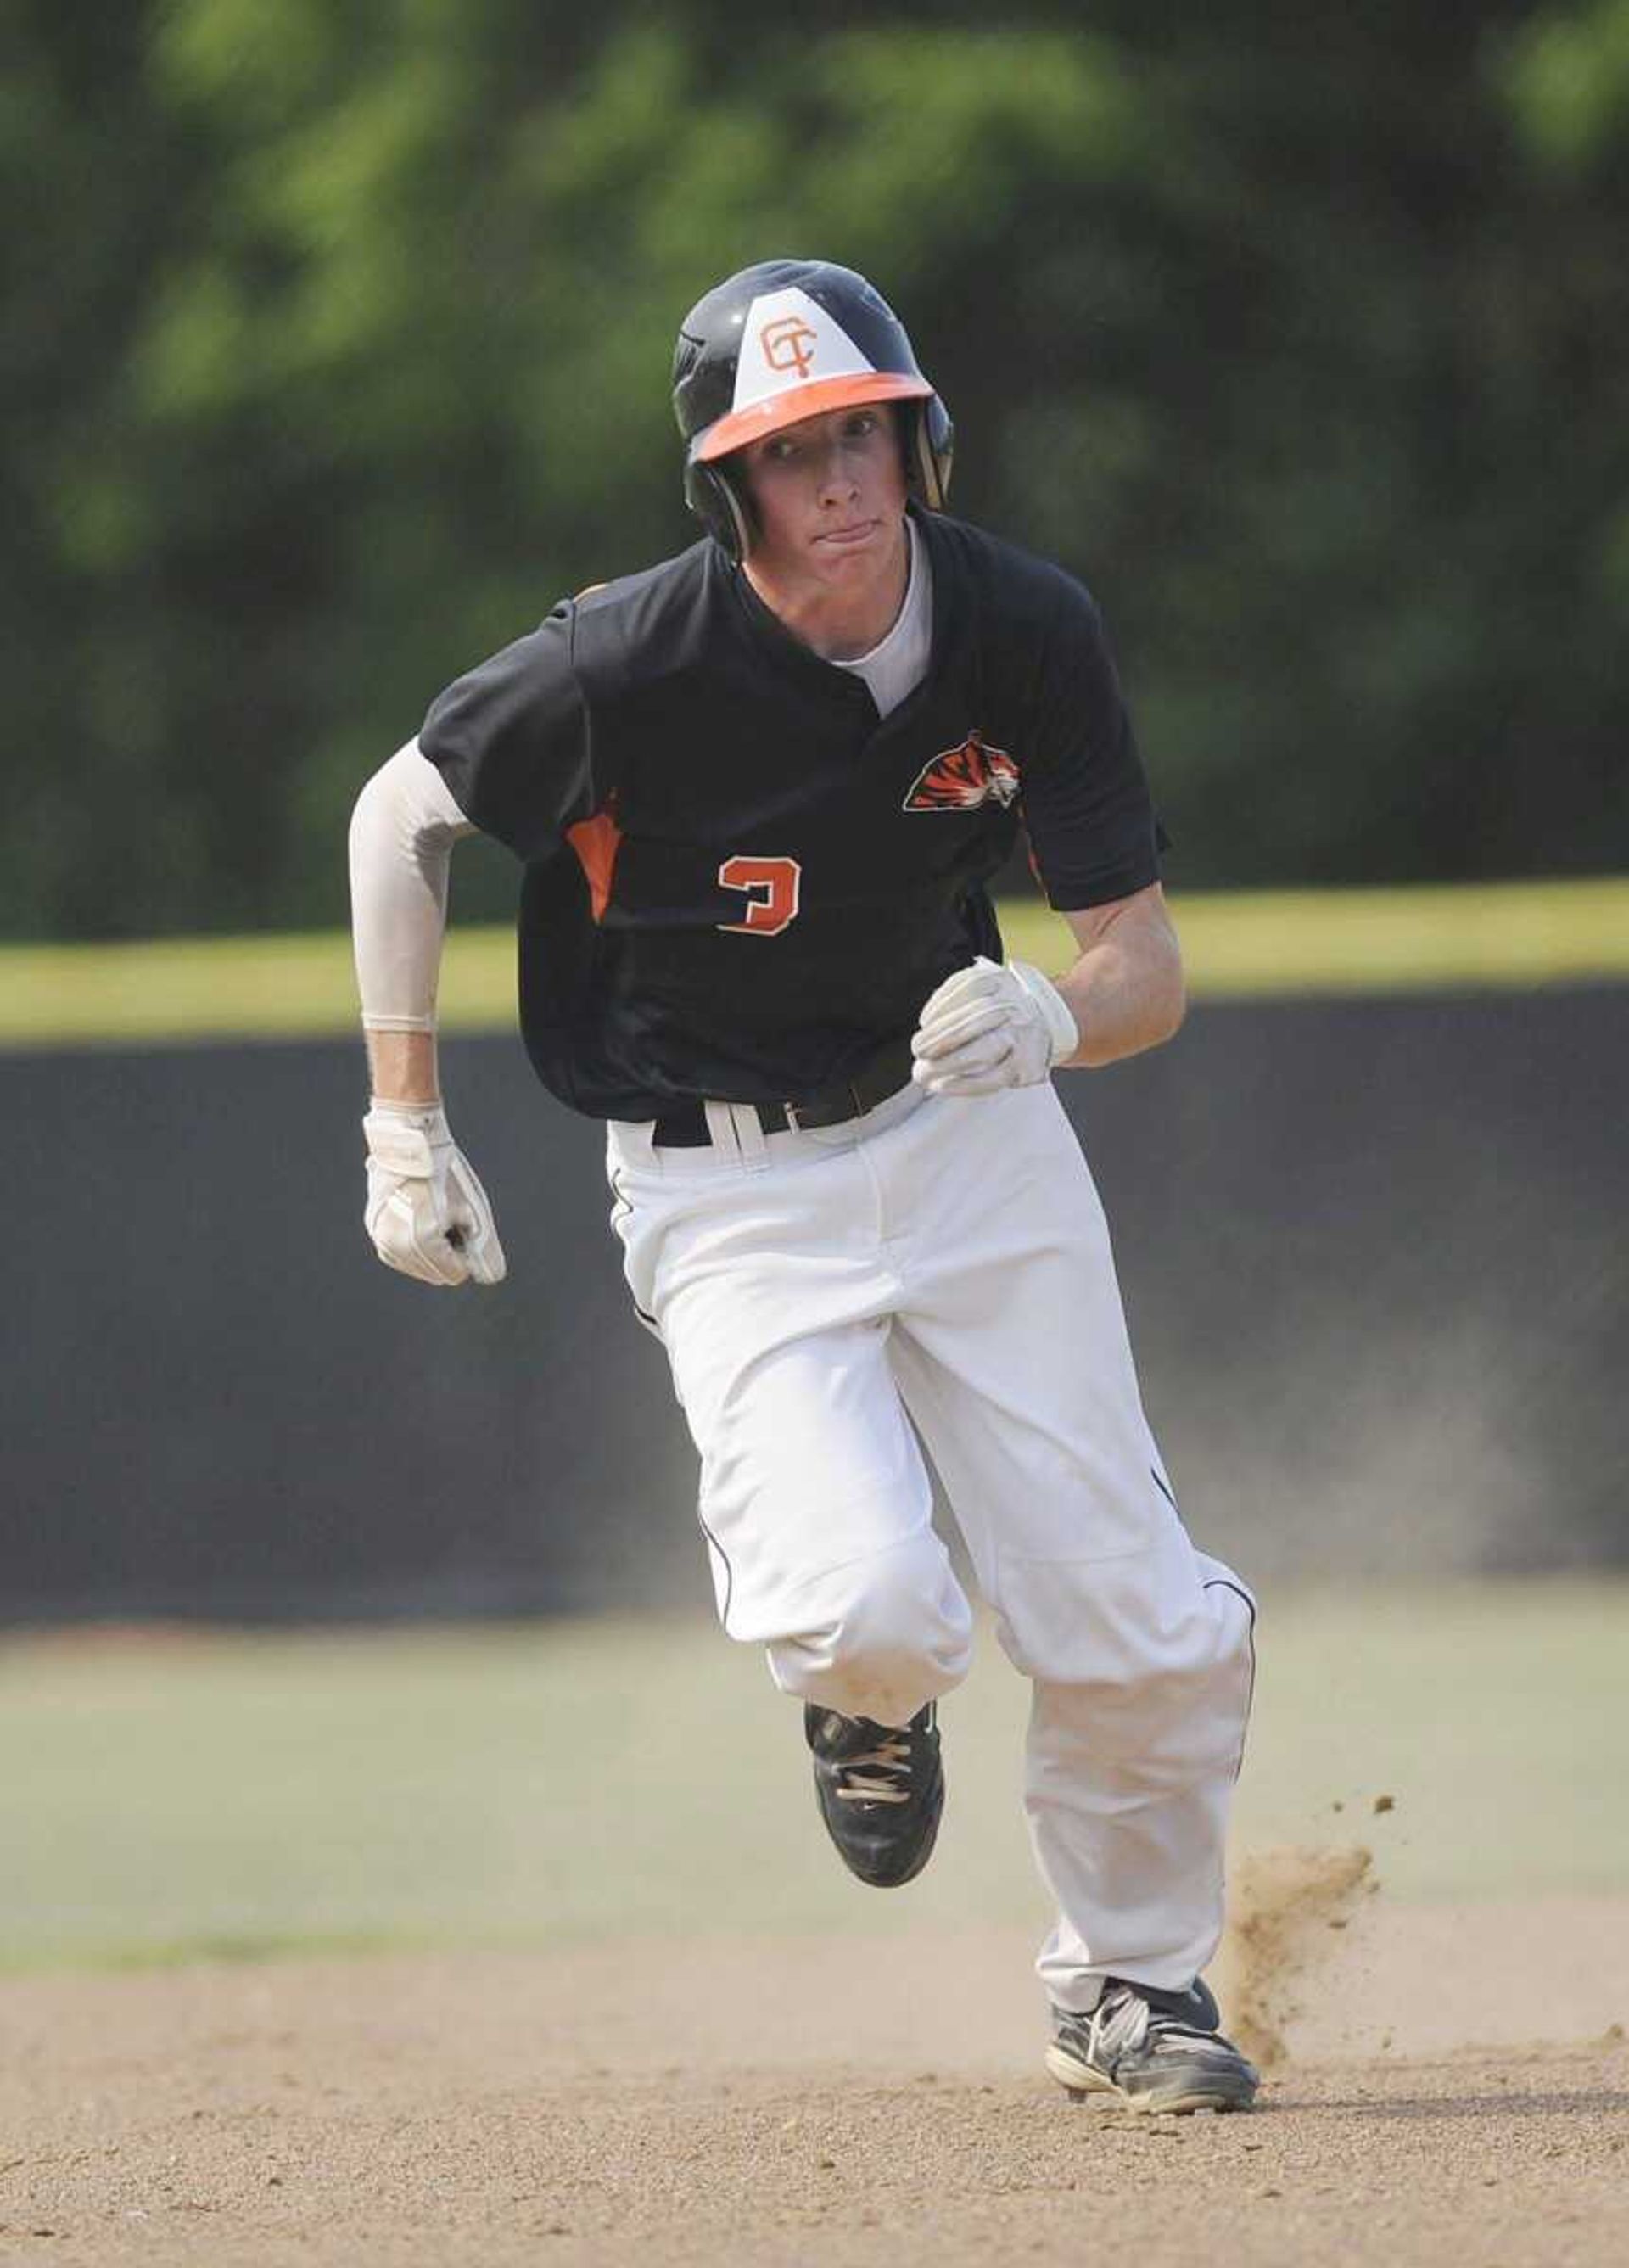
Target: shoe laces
891,1756
1123,2019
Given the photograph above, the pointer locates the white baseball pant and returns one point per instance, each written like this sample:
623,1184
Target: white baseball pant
946,1265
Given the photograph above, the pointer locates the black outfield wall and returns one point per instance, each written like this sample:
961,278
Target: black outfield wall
1375,1255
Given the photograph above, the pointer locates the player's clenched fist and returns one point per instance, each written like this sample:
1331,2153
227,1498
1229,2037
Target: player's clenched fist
427,1213
987,1027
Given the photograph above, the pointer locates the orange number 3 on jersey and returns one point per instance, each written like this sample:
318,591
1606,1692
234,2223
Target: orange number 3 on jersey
778,878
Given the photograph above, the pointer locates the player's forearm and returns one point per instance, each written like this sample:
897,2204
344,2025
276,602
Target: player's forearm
1126,991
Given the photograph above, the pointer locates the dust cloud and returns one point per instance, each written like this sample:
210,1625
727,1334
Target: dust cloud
1287,1908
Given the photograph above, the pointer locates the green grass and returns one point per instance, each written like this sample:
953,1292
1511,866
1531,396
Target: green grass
1237,945
170,1795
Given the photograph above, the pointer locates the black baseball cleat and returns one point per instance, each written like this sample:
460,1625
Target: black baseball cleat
881,1790
1152,2051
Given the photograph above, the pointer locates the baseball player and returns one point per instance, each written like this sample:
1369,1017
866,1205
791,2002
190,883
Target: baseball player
759,792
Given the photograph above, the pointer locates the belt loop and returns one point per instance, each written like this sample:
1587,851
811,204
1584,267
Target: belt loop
721,1131
750,1140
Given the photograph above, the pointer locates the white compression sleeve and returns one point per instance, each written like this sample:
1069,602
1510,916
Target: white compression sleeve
402,835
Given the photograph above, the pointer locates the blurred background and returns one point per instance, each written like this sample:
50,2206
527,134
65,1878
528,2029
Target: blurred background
335,347
336,344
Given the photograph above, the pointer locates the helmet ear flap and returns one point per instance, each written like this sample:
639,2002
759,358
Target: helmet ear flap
712,495
930,448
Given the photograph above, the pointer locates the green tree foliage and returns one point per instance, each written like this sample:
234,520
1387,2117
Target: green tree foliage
335,346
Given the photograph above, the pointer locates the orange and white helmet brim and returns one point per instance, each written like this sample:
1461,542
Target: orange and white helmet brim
812,398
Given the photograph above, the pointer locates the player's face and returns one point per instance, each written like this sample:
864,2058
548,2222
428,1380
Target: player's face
829,496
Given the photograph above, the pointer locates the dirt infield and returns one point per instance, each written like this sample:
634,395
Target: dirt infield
637,2071
825,2101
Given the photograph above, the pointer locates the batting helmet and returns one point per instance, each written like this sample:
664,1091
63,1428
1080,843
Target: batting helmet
783,340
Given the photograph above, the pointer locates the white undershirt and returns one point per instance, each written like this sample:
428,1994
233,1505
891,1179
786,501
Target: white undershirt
897,664
406,823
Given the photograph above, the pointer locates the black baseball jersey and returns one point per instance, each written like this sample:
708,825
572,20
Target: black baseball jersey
740,882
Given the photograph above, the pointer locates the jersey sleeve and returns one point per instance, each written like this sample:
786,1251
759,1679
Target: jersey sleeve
511,740
1093,833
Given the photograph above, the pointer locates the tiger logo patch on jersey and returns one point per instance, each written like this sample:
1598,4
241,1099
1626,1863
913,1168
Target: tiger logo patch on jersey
962,778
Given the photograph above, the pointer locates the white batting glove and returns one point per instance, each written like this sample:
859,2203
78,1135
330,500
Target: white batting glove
987,1027
426,1213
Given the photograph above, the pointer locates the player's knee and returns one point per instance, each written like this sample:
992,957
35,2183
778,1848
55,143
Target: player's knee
897,1631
